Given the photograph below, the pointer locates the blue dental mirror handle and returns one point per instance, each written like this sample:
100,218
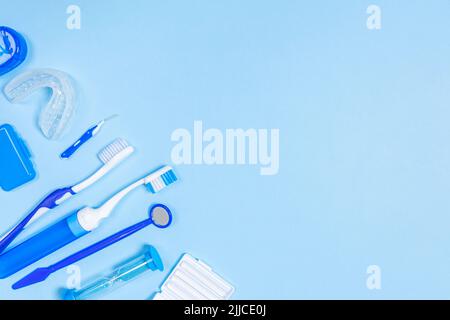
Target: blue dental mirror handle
98,246
41,274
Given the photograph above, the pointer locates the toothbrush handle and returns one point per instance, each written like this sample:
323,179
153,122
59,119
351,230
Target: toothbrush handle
51,201
83,139
98,246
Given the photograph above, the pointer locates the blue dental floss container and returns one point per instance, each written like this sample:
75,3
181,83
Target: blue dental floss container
16,167
13,49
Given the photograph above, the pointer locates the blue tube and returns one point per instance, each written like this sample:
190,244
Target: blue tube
41,245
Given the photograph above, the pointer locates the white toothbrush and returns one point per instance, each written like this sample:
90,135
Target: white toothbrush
111,156
90,218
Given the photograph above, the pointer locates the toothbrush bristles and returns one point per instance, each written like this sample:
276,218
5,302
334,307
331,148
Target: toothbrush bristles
111,150
160,179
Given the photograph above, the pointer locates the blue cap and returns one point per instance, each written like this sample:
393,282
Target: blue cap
13,49
153,258
69,295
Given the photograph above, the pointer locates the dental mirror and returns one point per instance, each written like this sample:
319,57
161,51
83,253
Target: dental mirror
160,215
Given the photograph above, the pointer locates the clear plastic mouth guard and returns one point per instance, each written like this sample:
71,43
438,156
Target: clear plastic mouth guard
192,279
56,115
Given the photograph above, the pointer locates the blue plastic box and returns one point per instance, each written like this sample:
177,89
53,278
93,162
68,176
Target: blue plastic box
16,167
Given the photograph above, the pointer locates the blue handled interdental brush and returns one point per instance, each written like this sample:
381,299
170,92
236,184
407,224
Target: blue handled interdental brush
88,135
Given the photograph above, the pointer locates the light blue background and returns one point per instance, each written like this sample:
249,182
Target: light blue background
364,122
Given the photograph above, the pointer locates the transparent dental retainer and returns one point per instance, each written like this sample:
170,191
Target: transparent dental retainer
121,275
56,115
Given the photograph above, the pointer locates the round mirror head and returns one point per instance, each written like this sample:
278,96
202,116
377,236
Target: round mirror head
160,216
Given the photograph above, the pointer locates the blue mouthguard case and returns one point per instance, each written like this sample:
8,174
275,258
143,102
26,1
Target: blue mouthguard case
16,167
13,49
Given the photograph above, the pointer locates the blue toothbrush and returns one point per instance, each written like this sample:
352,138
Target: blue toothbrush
88,135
